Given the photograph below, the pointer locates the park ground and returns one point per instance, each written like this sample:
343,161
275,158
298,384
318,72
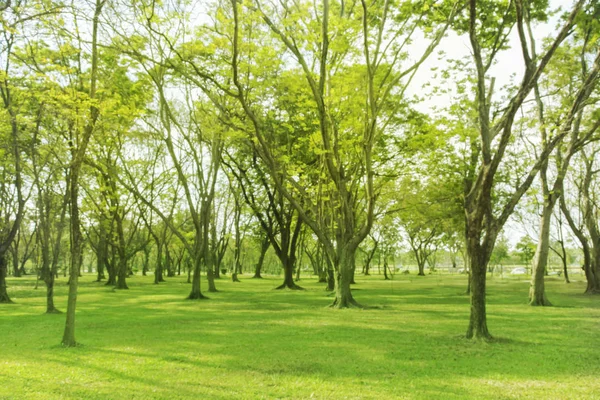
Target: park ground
251,342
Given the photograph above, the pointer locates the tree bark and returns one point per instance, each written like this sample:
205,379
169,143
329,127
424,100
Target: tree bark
263,251
537,293
4,298
421,268
288,276
343,277
196,293
385,269
15,261
478,322
75,169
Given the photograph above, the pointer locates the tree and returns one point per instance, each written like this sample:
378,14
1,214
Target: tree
526,250
585,227
500,253
574,66
79,144
13,19
484,216
346,149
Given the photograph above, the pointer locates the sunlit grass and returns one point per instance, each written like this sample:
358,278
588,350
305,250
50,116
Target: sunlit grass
249,341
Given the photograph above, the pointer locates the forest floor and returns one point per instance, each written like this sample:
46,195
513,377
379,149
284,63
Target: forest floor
250,342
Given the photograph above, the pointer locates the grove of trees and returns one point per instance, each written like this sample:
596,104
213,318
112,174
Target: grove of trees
211,138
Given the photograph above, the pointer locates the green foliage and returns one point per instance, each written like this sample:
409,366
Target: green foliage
526,249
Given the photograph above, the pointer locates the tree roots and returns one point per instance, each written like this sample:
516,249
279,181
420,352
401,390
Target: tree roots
291,287
196,296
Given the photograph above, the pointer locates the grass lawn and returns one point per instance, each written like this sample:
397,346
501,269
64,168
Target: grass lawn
251,342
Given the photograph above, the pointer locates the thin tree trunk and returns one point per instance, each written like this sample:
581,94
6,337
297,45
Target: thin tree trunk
564,260
385,269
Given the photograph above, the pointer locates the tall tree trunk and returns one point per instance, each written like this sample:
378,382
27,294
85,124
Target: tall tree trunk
385,269
168,264
189,271
478,320
111,269
158,269
15,262
50,308
537,293
101,255
146,261
122,275
3,292
196,293
421,265
210,278
261,259
563,258
78,154
330,273
343,277
53,272
68,339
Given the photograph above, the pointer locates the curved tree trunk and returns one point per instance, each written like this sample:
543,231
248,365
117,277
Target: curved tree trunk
385,275
564,261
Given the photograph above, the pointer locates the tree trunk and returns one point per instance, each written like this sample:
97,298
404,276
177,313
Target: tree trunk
564,260
478,320
158,270
15,262
330,274
146,261
210,277
3,292
189,269
111,270
196,293
343,277
385,269
537,293
421,269
122,275
263,251
50,308
288,277
46,272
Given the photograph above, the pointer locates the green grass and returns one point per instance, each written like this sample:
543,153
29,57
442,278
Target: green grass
250,342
